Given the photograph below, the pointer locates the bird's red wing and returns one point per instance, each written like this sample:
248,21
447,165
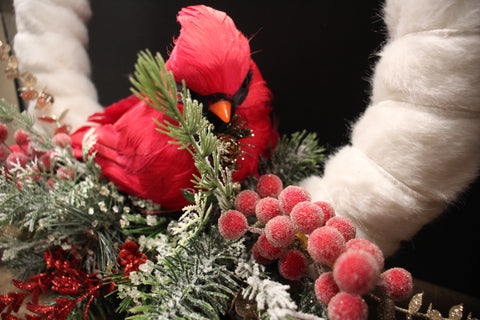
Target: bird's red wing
115,111
142,161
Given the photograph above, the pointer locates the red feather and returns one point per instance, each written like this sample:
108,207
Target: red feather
212,56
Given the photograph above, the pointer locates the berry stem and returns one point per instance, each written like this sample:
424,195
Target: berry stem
304,316
260,231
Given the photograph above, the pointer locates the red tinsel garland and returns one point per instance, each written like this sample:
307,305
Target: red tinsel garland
62,276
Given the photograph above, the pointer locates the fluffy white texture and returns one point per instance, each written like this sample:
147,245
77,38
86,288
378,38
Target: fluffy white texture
50,43
416,147
46,16
49,52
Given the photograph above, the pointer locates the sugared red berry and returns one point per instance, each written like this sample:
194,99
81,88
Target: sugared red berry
232,224
267,208
268,250
397,284
45,162
370,247
328,211
344,225
51,183
325,244
258,256
325,288
4,152
16,159
306,217
64,173
280,231
245,202
269,185
292,265
292,195
347,306
3,132
356,271
21,137
62,140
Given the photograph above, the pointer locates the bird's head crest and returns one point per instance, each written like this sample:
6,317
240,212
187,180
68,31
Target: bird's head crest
210,54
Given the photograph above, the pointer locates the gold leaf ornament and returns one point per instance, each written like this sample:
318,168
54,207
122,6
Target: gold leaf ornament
456,312
4,51
45,100
434,314
415,303
11,70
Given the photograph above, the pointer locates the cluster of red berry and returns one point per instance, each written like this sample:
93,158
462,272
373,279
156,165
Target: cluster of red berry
299,232
25,155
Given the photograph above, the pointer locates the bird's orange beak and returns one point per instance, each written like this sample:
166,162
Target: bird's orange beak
222,109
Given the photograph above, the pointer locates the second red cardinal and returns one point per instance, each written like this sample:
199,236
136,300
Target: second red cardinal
213,58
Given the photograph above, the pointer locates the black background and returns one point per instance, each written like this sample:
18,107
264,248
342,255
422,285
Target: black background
317,57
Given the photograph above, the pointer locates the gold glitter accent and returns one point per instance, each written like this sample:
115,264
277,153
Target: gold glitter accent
45,100
229,149
27,89
415,303
456,312
303,239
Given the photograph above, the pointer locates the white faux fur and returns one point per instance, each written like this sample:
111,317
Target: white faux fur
50,43
417,146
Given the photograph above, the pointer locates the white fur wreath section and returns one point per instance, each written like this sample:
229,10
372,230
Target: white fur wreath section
51,43
417,146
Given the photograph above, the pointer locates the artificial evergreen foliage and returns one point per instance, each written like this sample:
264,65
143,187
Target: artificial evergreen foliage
190,272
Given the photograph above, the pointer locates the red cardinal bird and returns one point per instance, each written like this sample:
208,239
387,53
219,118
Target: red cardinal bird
213,58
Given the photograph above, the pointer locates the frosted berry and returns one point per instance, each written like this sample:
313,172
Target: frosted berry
344,225
267,208
356,271
4,152
45,162
328,211
347,306
245,202
267,250
292,195
258,256
16,158
232,224
269,185
306,217
62,140
368,246
3,132
292,265
64,173
397,284
280,231
325,244
325,288
51,183
21,137
34,173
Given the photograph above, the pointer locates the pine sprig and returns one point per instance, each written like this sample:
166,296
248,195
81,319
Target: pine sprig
46,209
193,283
295,157
41,141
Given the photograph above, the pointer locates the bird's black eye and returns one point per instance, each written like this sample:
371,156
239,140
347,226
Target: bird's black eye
247,79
